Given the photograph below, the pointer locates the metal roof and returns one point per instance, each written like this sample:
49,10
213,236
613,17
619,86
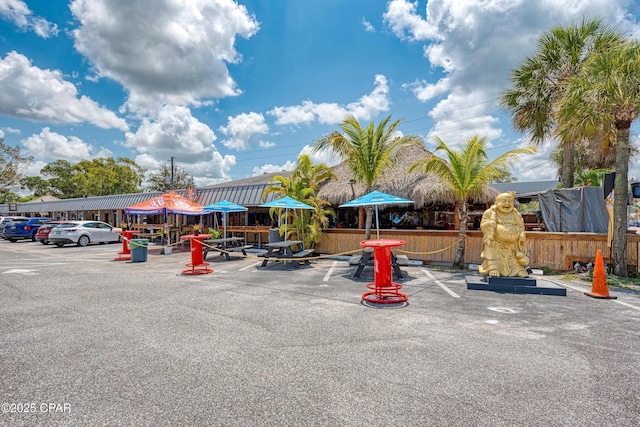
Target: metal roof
245,195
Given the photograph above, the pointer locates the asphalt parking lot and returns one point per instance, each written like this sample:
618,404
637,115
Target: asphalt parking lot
86,340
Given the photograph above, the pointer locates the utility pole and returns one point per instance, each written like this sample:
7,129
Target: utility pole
172,179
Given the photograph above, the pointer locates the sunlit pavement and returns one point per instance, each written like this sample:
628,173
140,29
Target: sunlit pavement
85,340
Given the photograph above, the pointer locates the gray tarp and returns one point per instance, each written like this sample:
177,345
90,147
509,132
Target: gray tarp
581,209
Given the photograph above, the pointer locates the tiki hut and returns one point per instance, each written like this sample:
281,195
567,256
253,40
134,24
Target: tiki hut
423,189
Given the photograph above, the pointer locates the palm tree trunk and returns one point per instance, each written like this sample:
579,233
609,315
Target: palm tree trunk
458,261
368,221
620,202
568,163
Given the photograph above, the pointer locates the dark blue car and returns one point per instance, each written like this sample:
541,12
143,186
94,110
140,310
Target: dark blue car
18,230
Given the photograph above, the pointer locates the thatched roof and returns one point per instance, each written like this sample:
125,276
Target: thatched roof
423,189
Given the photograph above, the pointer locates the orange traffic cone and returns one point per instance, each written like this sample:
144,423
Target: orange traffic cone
599,287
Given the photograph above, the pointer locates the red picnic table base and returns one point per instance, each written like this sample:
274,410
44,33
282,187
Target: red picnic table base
383,289
197,264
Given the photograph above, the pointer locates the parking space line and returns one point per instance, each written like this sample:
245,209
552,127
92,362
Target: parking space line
250,265
328,275
626,304
439,283
575,288
586,289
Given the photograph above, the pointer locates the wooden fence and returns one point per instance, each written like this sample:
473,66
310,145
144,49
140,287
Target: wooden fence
557,251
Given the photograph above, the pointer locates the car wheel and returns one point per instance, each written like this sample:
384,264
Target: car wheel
13,240
33,237
83,241
44,242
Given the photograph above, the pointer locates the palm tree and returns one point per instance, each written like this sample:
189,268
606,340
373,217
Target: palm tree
604,99
591,177
303,185
466,172
539,82
367,151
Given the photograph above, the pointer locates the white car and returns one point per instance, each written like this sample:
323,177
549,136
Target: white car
82,233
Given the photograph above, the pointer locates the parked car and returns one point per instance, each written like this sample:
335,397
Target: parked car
42,235
20,229
83,233
4,220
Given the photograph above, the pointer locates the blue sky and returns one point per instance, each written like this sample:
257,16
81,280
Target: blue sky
235,89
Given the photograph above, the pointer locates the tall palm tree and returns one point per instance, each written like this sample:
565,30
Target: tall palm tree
466,172
367,151
540,81
303,185
604,98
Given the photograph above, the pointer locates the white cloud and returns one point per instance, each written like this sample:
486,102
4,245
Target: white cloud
50,145
176,133
367,107
34,168
266,144
19,13
241,128
173,133
425,91
368,27
32,93
11,130
269,168
459,117
402,18
537,166
325,156
163,51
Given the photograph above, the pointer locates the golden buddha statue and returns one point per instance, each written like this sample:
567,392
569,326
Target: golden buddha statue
504,249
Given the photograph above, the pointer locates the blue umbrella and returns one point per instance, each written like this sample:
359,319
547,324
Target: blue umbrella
224,206
286,203
375,198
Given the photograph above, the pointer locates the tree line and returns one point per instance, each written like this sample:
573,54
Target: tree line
97,177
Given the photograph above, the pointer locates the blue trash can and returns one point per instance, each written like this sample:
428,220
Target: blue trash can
139,249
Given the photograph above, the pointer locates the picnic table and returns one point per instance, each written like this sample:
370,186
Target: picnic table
282,251
227,245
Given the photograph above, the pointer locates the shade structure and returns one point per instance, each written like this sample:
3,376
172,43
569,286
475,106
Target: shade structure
168,203
375,198
224,206
286,203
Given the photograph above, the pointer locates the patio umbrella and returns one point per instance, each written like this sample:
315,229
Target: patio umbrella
224,206
375,198
167,203
286,203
